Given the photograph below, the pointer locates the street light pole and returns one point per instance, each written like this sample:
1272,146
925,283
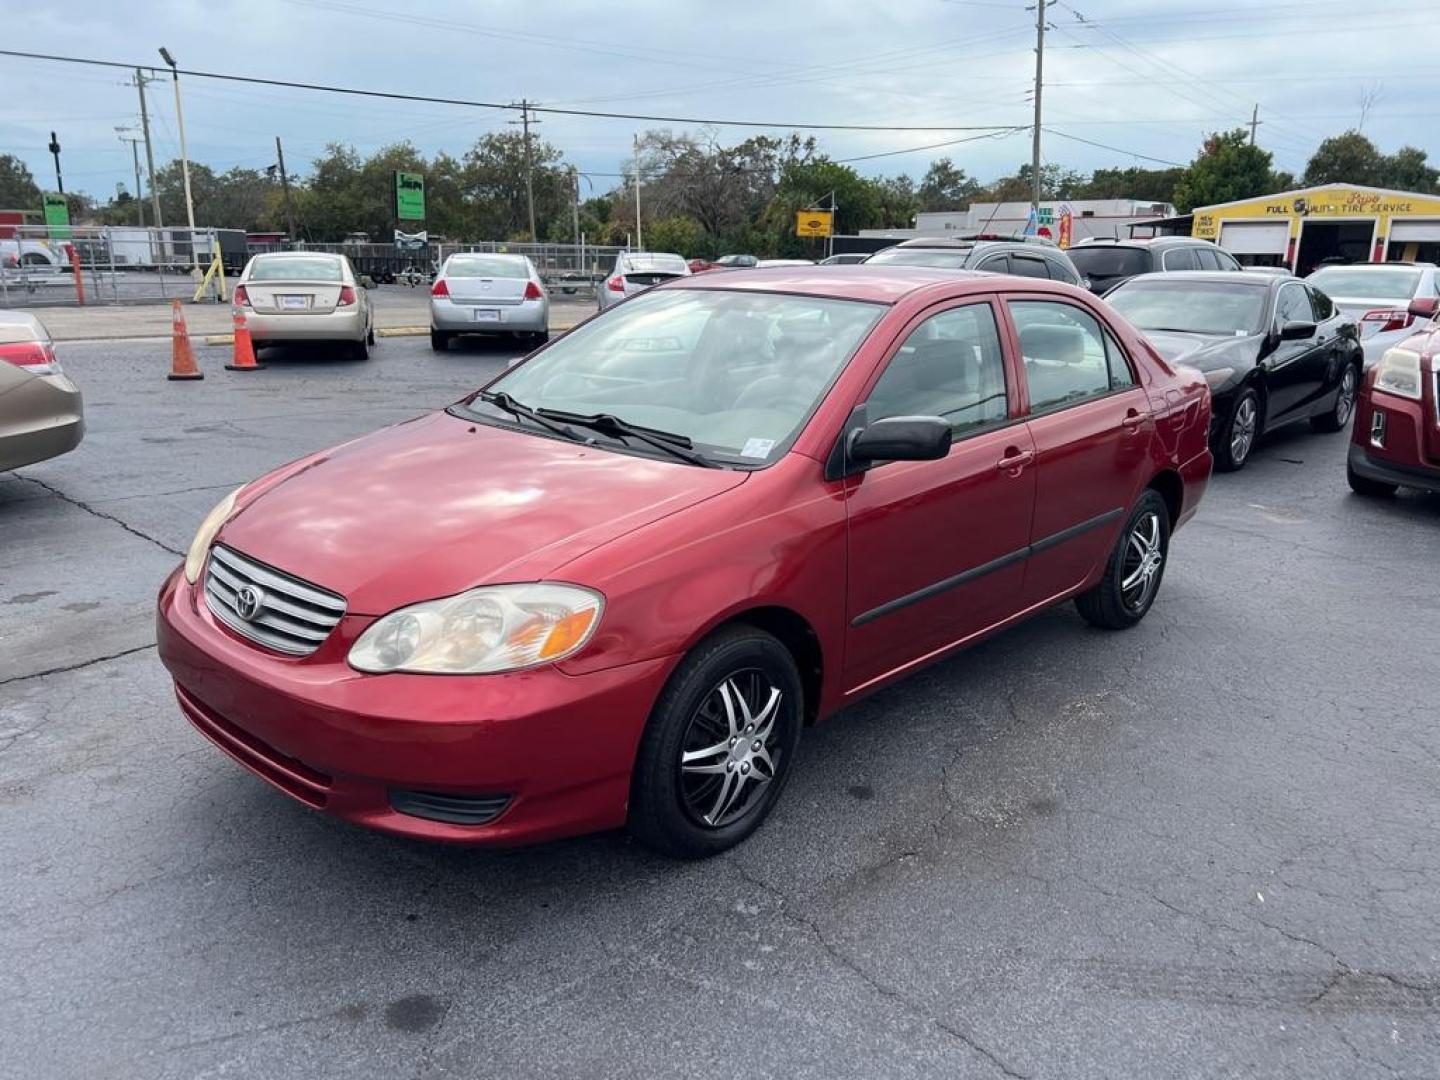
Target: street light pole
184,156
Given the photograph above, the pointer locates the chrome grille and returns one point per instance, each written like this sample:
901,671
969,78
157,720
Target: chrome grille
289,615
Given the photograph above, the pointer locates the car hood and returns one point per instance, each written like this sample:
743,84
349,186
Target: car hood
1206,352
438,505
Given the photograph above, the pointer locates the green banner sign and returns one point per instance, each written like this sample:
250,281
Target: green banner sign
57,216
409,196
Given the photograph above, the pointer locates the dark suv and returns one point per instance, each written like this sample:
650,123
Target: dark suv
1026,256
1106,263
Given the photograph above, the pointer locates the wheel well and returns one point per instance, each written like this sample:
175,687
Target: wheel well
799,638
1172,490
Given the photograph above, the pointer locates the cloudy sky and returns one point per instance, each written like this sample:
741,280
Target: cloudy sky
1145,78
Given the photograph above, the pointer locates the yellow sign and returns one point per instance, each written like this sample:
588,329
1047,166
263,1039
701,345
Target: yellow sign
814,222
1330,201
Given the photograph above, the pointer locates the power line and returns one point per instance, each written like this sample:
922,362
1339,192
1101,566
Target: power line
1115,149
505,106
931,146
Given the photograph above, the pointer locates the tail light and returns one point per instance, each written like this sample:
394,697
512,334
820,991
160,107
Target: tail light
615,284
532,291
36,357
241,297
440,288
347,296
1392,318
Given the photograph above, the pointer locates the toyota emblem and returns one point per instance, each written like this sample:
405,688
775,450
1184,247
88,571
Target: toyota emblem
248,602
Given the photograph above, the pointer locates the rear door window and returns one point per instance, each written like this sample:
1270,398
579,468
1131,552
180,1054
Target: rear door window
1180,259
1060,272
1064,353
1028,266
1320,304
1207,259
996,264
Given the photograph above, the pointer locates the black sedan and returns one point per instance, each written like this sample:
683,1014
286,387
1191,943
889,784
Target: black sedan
1274,350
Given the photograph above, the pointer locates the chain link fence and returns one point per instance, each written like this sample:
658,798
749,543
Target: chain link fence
110,264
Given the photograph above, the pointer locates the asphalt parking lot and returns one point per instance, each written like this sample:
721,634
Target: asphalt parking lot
1205,846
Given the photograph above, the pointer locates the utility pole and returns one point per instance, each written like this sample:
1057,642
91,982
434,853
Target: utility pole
285,185
575,201
135,157
55,152
140,81
1039,86
185,156
1255,122
639,236
525,123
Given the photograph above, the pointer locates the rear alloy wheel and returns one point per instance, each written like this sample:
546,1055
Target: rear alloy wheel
1363,485
1339,415
439,340
359,350
370,336
1135,569
1241,429
718,747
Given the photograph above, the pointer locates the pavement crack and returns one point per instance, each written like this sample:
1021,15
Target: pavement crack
876,984
76,667
101,514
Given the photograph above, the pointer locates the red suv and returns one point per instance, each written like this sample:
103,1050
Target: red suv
611,587
1396,441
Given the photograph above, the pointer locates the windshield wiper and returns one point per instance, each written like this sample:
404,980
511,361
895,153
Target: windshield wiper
609,424
504,401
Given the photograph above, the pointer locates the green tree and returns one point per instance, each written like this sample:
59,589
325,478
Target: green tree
1348,158
813,183
682,235
946,187
1144,185
1227,168
1409,170
899,201
18,190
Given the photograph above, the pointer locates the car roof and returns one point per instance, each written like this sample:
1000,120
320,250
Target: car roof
299,255
877,283
1223,277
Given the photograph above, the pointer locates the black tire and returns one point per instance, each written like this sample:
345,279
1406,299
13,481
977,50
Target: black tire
1111,606
357,350
439,340
1363,485
667,807
1232,447
540,337
1338,415
370,336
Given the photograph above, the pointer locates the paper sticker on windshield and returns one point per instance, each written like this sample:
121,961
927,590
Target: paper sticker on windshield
757,448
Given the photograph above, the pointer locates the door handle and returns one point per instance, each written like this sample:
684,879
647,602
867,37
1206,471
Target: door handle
1017,460
1133,419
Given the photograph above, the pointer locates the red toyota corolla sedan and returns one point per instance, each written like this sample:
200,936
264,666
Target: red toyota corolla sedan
612,587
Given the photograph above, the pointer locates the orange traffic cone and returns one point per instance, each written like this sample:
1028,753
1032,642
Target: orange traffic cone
182,357
244,348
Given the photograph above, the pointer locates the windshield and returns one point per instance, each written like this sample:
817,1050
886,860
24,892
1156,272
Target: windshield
1371,282
1109,262
736,372
291,268
944,258
485,266
1195,307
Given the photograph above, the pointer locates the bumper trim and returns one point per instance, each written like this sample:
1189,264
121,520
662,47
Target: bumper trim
1392,473
292,777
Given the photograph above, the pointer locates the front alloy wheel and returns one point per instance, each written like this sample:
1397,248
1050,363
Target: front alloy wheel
718,746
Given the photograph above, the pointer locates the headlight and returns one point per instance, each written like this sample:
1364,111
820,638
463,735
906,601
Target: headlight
1219,377
1399,373
195,557
486,630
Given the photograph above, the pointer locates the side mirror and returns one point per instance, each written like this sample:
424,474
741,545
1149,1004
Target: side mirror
1424,307
1297,331
901,438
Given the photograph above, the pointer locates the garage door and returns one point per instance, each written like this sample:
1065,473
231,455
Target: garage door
1414,231
1255,237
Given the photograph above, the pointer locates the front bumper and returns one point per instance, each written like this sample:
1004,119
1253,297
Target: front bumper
526,317
558,748
348,324
1389,472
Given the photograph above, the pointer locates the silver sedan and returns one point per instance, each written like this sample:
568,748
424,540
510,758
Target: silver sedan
305,296
41,414
488,293
636,271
